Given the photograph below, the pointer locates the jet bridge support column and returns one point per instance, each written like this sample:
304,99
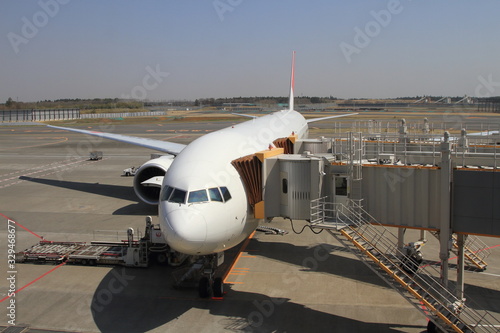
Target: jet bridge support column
460,266
445,211
401,239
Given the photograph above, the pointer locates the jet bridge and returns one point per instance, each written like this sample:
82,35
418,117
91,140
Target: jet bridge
443,184
404,181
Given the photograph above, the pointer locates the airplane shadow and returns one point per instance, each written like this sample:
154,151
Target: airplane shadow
140,300
110,191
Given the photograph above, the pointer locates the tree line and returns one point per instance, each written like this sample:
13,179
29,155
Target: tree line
76,103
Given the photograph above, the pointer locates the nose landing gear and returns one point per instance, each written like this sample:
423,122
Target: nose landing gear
207,281
205,268
207,285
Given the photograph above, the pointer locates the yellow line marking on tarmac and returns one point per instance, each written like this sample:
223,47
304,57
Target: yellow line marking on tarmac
230,270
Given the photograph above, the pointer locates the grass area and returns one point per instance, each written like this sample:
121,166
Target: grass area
118,110
143,120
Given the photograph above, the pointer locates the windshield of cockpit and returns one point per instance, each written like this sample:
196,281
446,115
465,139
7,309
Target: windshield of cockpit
176,195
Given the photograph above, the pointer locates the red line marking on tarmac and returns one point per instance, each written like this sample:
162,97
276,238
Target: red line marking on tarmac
424,308
486,248
28,230
29,284
489,248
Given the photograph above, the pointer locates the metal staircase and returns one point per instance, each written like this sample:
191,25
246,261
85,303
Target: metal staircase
475,251
376,246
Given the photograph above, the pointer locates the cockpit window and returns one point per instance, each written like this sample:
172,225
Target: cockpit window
198,196
179,196
225,193
175,195
215,194
166,193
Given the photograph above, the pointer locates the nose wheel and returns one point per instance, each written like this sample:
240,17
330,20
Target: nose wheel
208,286
204,287
203,272
218,287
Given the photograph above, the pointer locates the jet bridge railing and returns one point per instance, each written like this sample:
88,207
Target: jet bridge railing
420,284
422,149
413,128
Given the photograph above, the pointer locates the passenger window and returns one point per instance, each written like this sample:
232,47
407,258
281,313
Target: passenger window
225,193
179,196
167,190
215,194
198,196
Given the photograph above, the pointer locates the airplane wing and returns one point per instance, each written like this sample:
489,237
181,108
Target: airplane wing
244,115
485,133
163,146
329,117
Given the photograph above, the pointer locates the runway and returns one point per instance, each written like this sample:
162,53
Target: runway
290,283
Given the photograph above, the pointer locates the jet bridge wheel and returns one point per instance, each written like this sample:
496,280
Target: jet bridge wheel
218,287
204,287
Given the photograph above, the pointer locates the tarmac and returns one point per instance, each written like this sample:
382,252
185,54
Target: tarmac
291,283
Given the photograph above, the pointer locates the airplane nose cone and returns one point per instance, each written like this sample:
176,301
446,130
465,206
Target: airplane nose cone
189,230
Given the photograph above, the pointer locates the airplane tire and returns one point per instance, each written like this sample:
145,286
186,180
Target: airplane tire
204,287
218,287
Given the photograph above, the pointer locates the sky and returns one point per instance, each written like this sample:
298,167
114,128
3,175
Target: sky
189,49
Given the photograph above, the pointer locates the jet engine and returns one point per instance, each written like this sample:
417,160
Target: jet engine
149,178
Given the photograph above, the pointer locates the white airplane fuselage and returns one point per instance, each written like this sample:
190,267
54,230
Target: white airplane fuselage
211,226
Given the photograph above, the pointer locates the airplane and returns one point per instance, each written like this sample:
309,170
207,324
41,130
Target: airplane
202,203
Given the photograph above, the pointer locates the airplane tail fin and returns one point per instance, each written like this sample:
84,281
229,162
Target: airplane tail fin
292,82
330,117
